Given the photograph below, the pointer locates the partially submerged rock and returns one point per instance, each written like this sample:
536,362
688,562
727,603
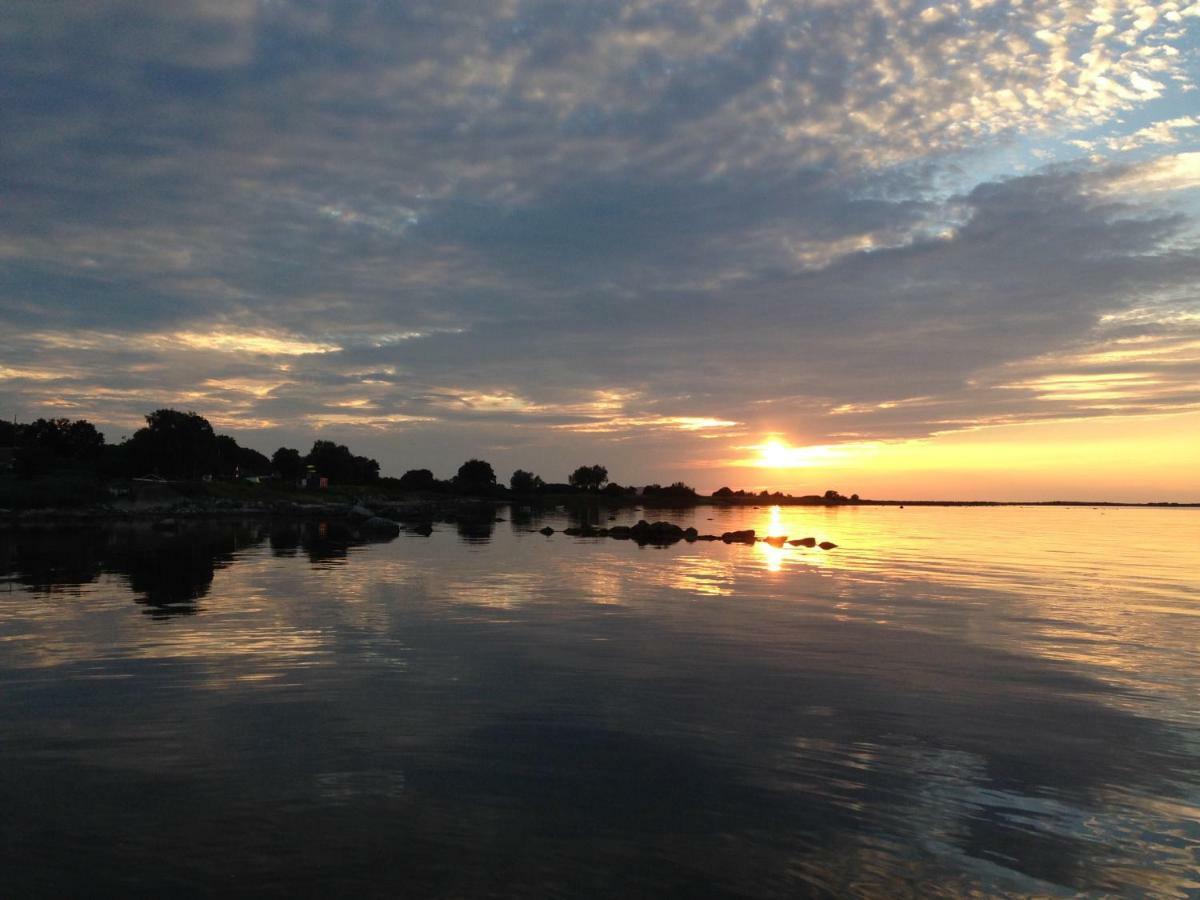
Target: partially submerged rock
827,545
546,531
425,529
804,542
379,525
745,536
776,540
659,533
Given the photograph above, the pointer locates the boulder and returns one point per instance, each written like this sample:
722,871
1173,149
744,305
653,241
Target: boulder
827,545
425,529
379,525
776,540
546,531
690,534
659,533
804,542
739,537
620,532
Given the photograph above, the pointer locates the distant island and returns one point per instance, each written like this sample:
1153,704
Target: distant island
177,460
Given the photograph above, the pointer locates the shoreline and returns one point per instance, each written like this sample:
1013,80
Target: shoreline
425,508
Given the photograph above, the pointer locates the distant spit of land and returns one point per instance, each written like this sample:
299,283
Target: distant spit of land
185,499
179,465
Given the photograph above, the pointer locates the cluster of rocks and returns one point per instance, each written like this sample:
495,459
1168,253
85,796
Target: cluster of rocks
663,533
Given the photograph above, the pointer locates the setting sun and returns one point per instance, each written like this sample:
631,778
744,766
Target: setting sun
775,453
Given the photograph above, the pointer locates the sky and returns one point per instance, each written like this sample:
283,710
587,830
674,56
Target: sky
895,248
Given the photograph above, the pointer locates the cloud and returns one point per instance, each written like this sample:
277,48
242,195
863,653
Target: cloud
538,224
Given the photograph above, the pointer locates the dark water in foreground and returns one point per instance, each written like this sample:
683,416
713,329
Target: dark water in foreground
954,701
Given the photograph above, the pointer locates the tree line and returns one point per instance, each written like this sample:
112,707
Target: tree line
184,446
173,445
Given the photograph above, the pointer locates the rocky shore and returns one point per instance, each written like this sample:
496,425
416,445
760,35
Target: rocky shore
661,534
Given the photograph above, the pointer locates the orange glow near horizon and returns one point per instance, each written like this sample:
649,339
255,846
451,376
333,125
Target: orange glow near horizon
775,453
1142,459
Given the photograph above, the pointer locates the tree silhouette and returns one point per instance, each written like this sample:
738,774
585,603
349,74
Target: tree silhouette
677,489
475,475
288,463
417,480
174,444
48,444
588,478
337,463
525,482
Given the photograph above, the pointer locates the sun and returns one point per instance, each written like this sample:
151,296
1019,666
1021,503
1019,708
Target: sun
775,454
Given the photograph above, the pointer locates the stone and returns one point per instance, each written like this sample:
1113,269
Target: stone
739,537
776,540
379,525
425,529
659,533
804,542
547,531
827,545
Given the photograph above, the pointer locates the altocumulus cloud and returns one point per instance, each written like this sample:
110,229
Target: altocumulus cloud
529,227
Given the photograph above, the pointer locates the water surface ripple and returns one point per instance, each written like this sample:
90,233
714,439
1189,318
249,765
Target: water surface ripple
954,701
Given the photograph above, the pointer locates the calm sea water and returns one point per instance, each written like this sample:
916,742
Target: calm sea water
954,701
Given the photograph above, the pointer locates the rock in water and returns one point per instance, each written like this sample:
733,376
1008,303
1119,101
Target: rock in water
776,540
547,531
804,542
739,537
425,529
378,525
827,545
659,533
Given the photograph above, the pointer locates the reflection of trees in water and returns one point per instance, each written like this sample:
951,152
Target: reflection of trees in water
167,570
587,514
475,531
324,542
53,561
171,571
